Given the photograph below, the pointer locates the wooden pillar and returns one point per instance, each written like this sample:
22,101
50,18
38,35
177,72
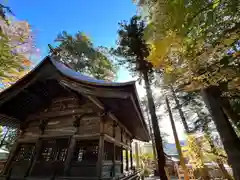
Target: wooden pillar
131,157
101,145
127,160
36,155
11,157
121,159
70,152
114,160
15,147
100,156
114,150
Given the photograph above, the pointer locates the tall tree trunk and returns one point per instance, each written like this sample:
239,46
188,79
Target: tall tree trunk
152,138
230,112
183,119
230,140
178,146
203,171
226,175
158,140
214,151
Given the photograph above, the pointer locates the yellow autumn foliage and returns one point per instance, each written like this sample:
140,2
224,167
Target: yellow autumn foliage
12,78
185,47
194,153
27,62
161,49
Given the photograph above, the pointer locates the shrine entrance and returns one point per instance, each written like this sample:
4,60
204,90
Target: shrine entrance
51,158
84,160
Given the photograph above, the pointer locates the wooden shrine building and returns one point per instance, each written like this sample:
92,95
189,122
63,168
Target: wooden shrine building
71,126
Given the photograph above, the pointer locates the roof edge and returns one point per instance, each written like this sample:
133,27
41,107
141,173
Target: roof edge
8,89
66,71
141,112
85,79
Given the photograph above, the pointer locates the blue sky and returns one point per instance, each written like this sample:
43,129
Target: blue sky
98,19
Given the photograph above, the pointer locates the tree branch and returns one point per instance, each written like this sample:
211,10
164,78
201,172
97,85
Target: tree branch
198,12
215,153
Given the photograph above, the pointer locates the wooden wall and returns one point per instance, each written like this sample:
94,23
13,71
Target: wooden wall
60,118
118,135
117,132
109,123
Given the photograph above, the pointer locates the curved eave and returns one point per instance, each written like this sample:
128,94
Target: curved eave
141,113
86,79
23,82
64,70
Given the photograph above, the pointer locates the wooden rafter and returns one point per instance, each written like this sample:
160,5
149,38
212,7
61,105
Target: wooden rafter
95,91
110,114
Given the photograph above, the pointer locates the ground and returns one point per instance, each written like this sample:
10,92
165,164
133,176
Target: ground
157,178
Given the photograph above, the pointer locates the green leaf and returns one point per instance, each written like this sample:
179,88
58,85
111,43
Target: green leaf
83,56
234,6
216,3
210,18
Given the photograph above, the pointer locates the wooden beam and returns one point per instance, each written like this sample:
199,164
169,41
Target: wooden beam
46,136
67,112
111,115
87,136
112,140
99,92
28,139
95,101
